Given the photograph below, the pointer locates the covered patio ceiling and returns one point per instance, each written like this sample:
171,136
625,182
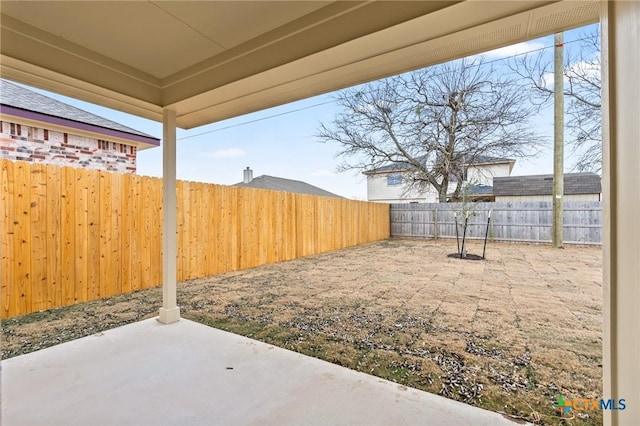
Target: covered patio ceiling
208,61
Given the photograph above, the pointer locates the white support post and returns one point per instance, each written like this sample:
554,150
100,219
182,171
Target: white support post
169,312
621,204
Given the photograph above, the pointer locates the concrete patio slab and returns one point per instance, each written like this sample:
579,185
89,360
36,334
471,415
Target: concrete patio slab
186,373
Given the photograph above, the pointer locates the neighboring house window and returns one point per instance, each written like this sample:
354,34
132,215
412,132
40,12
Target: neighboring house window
394,180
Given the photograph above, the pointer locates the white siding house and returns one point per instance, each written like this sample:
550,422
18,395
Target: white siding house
389,188
483,173
387,185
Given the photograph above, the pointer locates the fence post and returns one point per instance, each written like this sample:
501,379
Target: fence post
435,222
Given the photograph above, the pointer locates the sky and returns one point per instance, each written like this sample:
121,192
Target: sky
280,141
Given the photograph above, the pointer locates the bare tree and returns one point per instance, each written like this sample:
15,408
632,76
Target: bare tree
582,92
433,122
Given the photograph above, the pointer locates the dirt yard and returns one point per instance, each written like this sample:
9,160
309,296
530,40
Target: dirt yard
511,333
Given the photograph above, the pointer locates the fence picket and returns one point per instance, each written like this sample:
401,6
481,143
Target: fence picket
81,234
67,254
38,241
54,242
93,236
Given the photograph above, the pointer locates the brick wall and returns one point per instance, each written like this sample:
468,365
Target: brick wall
35,144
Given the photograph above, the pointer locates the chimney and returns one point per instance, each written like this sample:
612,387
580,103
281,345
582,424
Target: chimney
248,175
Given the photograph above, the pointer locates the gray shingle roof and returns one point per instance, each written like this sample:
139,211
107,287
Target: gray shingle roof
574,183
19,97
480,189
287,185
398,167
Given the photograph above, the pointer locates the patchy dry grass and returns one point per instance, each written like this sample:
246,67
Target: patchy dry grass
510,334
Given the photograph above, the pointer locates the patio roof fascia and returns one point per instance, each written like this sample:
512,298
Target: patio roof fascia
384,53
199,96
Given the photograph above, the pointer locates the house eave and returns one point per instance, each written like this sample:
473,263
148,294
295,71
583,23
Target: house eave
510,162
37,119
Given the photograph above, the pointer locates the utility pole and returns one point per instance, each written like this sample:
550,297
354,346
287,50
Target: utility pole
558,139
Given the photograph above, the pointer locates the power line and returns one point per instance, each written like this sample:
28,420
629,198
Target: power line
333,101
257,119
516,55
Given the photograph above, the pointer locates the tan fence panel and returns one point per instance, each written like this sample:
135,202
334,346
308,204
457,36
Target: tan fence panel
72,235
523,221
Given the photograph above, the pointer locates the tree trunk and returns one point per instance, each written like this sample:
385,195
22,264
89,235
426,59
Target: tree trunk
442,193
456,193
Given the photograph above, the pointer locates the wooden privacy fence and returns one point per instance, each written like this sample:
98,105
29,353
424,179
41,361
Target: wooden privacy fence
71,235
527,221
